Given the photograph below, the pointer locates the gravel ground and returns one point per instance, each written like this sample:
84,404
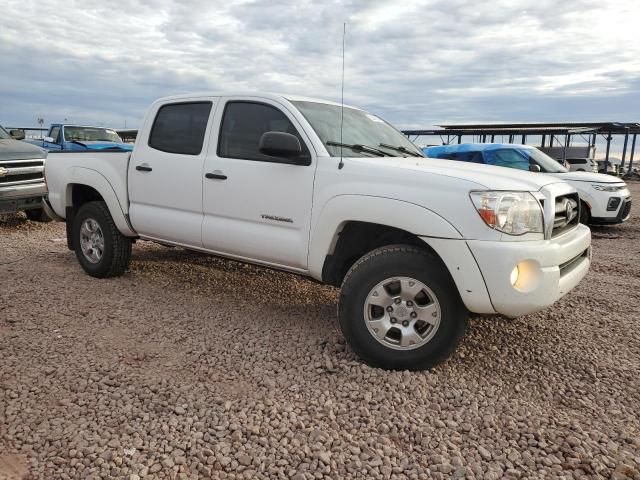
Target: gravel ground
195,367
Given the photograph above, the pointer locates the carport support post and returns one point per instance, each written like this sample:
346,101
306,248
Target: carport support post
544,140
459,139
606,157
624,150
567,140
633,149
511,138
493,139
524,139
551,140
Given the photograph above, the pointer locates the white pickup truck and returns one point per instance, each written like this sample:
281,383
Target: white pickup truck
414,244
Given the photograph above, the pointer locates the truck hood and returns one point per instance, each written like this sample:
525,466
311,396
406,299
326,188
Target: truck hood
487,176
101,145
16,150
588,177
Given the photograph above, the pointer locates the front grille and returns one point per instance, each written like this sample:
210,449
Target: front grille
20,178
625,211
568,266
17,172
566,213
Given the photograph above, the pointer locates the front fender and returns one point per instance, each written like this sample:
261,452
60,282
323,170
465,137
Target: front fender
95,180
342,209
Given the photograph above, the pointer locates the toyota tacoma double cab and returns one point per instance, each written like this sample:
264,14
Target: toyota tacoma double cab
339,195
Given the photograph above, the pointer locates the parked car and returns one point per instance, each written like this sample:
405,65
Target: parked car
414,244
81,138
604,199
22,185
582,165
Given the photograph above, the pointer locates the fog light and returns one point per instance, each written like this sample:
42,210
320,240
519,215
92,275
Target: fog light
613,204
526,276
514,276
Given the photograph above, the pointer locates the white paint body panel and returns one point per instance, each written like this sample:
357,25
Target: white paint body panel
596,200
176,204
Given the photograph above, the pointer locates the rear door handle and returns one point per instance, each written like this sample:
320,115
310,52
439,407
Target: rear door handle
143,168
216,176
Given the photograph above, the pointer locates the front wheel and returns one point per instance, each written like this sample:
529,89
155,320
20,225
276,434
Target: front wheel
400,309
585,214
100,247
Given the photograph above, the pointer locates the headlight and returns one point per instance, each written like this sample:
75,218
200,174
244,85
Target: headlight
514,213
608,188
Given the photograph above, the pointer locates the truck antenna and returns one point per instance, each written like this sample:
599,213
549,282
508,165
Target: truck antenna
344,33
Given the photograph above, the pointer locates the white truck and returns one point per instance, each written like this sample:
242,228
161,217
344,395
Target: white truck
336,194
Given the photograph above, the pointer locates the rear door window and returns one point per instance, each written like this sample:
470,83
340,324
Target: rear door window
180,128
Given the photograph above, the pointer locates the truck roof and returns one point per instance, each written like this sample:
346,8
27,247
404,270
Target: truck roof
264,95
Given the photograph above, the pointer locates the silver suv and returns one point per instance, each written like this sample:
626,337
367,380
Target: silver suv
582,165
22,184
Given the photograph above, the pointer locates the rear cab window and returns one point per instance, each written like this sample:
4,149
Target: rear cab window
180,127
55,134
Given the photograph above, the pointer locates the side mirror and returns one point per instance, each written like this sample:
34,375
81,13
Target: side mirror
282,145
17,134
535,168
49,139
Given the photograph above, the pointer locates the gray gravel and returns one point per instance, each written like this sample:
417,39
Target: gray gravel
196,367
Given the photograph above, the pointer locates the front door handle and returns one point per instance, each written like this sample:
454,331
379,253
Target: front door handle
216,176
143,168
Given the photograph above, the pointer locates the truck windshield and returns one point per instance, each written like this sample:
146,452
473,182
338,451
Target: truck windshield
360,128
4,135
522,158
90,134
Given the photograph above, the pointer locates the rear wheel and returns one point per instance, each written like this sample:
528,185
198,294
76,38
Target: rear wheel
400,309
100,247
37,215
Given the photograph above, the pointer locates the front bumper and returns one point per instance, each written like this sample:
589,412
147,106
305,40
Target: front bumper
620,215
548,269
21,197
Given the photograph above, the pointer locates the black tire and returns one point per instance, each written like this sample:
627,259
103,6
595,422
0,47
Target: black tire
585,214
37,215
117,248
398,261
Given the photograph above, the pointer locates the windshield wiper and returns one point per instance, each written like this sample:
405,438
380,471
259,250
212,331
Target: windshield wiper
401,150
356,147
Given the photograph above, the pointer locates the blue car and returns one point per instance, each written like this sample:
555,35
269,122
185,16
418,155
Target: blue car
521,157
77,138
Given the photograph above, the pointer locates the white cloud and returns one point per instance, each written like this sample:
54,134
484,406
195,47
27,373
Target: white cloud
417,63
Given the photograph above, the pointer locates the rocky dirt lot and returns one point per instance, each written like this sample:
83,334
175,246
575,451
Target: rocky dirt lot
195,367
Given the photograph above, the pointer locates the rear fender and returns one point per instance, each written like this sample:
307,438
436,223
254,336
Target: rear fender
95,180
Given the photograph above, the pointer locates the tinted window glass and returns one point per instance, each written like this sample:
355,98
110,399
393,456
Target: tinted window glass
243,125
55,133
472,157
180,128
507,158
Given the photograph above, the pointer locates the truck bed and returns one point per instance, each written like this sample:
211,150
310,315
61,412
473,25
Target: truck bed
110,166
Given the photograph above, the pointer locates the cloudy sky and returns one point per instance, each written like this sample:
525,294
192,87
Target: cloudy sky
416,63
